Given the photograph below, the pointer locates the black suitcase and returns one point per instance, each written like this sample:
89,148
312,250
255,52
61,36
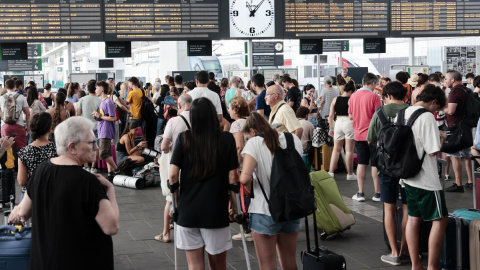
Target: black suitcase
320,258
7,186
454,254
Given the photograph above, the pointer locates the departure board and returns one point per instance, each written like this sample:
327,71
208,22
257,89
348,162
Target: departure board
336,18
162,19
50,20
421,18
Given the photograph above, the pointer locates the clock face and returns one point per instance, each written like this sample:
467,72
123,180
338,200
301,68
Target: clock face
252,18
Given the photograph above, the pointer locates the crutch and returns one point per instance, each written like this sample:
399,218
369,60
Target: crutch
174,213
239,213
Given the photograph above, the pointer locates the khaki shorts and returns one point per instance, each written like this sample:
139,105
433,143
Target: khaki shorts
215,241
343,129
105,150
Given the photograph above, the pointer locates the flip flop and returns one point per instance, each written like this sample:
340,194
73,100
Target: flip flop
160,239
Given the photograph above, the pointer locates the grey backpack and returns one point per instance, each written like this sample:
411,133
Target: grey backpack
10,115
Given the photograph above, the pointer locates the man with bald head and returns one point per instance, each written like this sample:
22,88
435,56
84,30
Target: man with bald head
280,113
234,82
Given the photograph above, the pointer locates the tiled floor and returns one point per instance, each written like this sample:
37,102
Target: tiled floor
142,218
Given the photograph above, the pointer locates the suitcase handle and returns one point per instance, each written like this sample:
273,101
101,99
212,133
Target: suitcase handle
315,234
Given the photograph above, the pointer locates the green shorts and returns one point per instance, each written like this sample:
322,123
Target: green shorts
427,204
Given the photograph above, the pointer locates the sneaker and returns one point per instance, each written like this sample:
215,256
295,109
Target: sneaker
248,237
110,177
376,197
117,171
477,169
332,174
359,197
351,177
391,260
93,170
454,188
469,186
447,177
86,169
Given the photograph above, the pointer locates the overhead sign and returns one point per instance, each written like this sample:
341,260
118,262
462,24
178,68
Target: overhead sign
267,47
267,60
50,20
162,20
336,45
199,48
374,45
21,65
13,51
334,19
118,49
311,46
411,18
34,50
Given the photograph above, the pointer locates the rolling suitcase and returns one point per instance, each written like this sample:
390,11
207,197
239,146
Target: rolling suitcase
7,186
15,242
102,164
332,214
474,244
454,254
320,258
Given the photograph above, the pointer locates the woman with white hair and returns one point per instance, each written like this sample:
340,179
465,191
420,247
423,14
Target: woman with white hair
74,213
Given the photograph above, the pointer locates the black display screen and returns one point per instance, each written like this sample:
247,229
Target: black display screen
162,20
420,18
336,18
50,20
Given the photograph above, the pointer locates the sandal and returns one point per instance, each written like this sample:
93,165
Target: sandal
160,239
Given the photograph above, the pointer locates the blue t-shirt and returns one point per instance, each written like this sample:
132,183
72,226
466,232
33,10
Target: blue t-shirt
106,129
261,104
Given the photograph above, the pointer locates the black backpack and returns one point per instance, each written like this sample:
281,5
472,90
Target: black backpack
396,152
147,110
472,108
291,193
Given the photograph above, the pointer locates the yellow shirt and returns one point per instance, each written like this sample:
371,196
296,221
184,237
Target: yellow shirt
135,100
285,116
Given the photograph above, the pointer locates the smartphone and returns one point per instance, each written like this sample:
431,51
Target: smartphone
13,135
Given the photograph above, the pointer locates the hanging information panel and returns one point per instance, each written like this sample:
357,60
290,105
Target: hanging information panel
51,20
162,20
336,18
420,18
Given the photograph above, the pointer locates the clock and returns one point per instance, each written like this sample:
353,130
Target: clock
252,18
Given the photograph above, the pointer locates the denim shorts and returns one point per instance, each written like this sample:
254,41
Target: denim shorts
389,188
264,224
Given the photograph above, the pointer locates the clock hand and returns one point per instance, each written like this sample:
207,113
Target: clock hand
256,8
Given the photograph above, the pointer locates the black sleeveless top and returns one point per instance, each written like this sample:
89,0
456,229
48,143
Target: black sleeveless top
341,106
48,100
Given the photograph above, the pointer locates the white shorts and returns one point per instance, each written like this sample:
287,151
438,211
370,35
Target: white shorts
343,129
215,241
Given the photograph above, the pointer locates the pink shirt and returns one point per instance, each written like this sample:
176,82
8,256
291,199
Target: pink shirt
362,106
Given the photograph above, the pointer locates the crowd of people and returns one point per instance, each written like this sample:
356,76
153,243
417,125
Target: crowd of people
214,137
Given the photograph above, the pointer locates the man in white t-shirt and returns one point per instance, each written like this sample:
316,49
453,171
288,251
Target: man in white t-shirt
201,79
425,195
19,127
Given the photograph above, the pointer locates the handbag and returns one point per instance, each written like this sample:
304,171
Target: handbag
459,137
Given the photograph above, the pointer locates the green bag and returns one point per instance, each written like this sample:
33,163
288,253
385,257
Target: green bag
333,215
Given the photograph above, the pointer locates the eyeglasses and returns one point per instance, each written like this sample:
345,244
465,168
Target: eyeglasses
93,143
270,94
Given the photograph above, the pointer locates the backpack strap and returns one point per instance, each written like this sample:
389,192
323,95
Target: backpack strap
263,191
401,117
290,141
273,118
382,116
185,120
415,115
